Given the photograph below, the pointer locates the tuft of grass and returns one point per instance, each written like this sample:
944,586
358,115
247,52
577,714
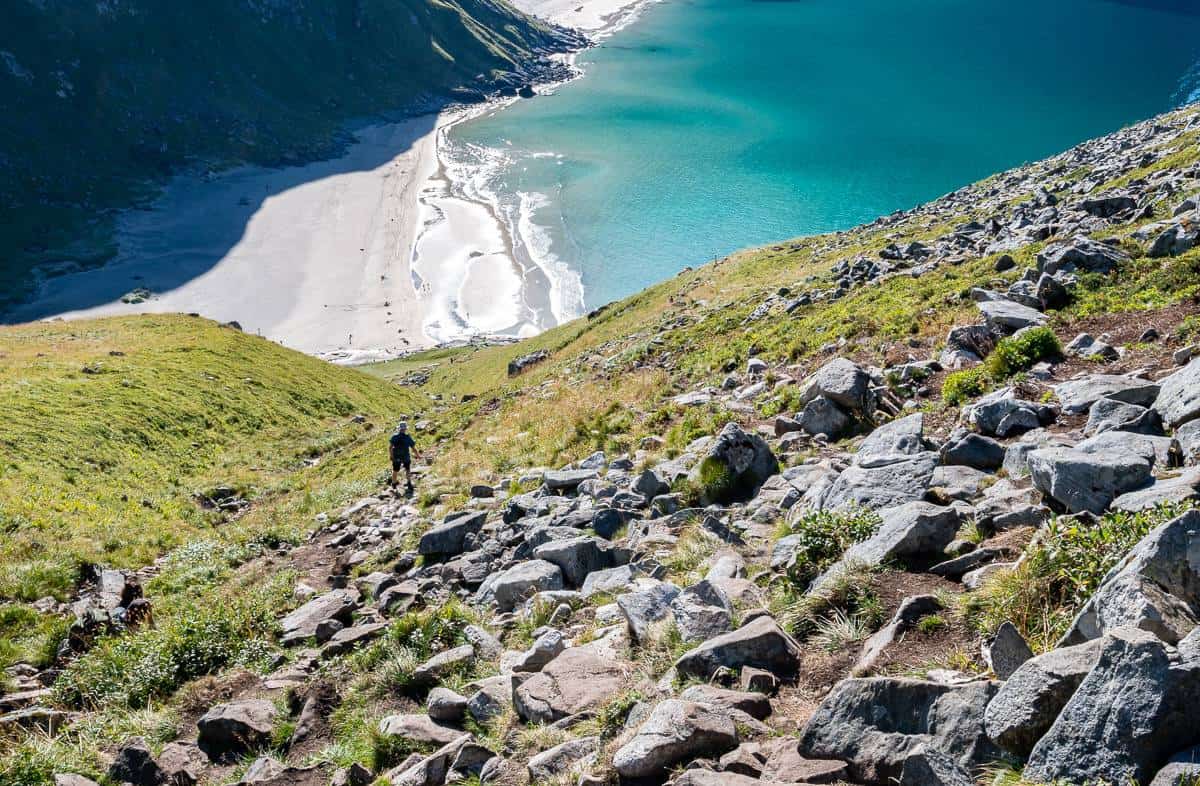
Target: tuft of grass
839,630
1059,571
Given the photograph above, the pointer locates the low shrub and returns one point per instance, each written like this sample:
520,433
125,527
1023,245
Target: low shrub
962,386
1011,356
824,536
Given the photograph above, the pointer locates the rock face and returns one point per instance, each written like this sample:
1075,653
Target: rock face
1030,700
302,623
1179,396
1126,718
1155,588
875,725
577,680
236,727
1085,481
760,643
447,538
744,461
675,731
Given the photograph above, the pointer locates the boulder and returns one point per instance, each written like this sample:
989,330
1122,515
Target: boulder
675,732
702,612
644,608
561,759
443,664
968,449
567,479
1078,395
609,581
301,625
182,763
579,679
882,486
1178,398
1132,711
1089,347
1082,481
236,727
1109,414
1080,253
899,440
445,705
760,643
912,531
1030,700
1008,316
447,538
1177,489
822,417
754,704
135,764
876,724
1155,587
514,585
742,460
578,557
1178,238
1002,414
844,383
1005,650
418,729
927,766
429,770
545,648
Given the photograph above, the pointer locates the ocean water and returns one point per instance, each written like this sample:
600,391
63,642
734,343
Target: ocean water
711,125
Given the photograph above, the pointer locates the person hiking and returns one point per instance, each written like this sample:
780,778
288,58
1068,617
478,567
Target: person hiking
398,449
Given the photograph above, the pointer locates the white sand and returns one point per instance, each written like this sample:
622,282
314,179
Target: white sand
315,257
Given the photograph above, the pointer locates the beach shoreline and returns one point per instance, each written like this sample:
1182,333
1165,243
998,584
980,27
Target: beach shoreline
368,256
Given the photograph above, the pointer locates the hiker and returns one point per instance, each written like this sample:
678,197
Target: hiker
398,448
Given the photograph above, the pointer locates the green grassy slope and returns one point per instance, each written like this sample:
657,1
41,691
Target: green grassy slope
102,99
112,426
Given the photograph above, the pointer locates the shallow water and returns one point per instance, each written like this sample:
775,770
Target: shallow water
712,125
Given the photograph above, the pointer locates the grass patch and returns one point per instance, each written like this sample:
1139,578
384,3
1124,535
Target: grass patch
1011,356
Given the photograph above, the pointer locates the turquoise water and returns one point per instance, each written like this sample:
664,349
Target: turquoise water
712,125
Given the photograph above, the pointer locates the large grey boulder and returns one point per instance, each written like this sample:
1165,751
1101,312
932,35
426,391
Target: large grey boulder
1178,238
1133,710
968,449
1109,414
913,530
882,486
610,581
579,679
1178,489
578,557
822,417
1030,700
1179,396
744,460
876,724
134,763
676,731
646,607
514,585
561,759
1083,481
1008,316
447,538
301,625
1080,253
1078,395
754,704
702,611
1002,414
1156,587
844,383
418,730
568,479
760,643
899,440
236,727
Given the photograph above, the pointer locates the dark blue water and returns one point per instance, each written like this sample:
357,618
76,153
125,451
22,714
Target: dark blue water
711,125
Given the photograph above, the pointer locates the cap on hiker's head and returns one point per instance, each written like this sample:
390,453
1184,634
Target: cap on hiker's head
403,425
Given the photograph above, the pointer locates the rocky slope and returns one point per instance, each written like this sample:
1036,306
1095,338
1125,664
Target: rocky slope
162,86
907,504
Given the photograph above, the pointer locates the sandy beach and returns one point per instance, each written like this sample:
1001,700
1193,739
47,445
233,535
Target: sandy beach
364,257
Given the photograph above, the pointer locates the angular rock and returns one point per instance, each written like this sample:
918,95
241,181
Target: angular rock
301,624
702,612
1002,414
760,643
1132,711
517,583
911,531
1108,414
1178,398
743,460
560,759
882,486
1181,488
237,726
676,731
843,383
134,763
578,557
756,705
1030,700
1007,316
875,724
418,729
579,679
1156,587
968,449
1078,395
911,610
822,417
545,648
646,607
443,664
568,479
1005,650
1080,481
445,705
447,538
1080,253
